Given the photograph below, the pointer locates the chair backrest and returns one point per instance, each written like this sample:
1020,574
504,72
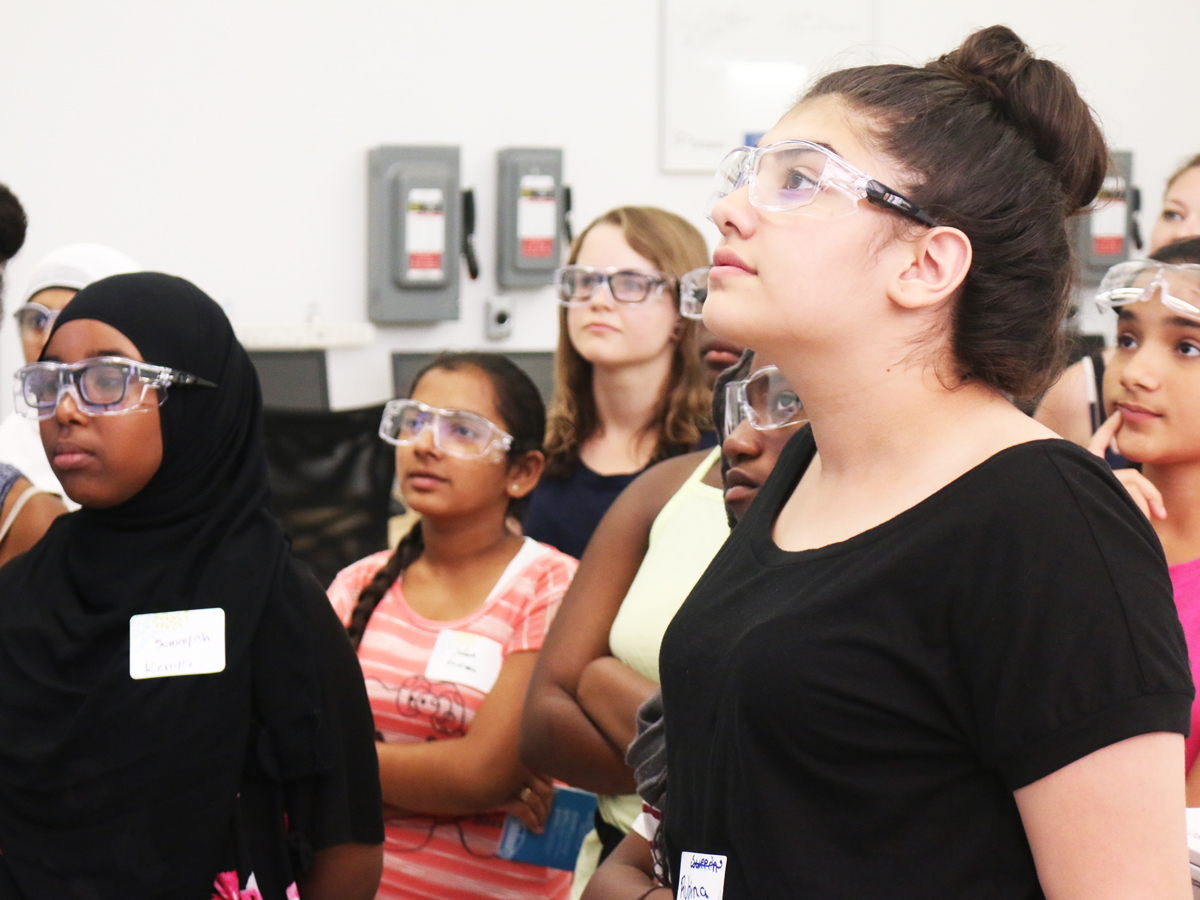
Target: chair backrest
331,478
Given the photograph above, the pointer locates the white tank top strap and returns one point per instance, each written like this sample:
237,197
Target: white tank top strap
26,495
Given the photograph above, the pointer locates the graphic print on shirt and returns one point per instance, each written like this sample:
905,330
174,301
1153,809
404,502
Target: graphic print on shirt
440,703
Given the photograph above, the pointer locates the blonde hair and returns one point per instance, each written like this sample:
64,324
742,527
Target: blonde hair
1190,164
675,247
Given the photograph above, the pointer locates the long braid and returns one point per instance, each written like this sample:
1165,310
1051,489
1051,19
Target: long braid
405,554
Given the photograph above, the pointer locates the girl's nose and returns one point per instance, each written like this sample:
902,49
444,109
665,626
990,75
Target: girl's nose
743,443
426,440
602,296
734,213
68,409
1141,370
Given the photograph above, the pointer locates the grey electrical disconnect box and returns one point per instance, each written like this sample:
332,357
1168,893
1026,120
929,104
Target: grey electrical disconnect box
414,230
1106,234
529,232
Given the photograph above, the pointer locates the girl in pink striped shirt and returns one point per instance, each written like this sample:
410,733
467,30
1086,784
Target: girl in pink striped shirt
448,628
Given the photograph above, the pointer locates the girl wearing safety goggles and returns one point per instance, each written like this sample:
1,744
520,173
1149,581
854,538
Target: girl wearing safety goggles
629,389
448,627
927,618
179,706
600,660
54,281
1152,388
1074,405
27,507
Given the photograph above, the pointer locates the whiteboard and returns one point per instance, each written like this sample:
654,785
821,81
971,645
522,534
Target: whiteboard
729,71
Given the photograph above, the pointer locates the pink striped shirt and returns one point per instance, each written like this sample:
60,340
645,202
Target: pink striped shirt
451,859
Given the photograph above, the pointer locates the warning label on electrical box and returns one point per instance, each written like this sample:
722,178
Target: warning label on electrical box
425,233
537,219
1109,218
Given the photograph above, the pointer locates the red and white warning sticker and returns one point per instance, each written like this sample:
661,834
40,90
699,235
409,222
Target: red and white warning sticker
1109,218
425,233
537,216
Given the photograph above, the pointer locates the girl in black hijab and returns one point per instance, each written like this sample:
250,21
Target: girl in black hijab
118,776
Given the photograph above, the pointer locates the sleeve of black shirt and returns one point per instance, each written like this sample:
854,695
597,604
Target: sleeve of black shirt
1066,625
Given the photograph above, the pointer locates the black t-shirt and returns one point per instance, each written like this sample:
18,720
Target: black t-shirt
851,721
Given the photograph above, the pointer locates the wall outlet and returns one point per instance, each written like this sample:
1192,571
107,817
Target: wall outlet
498,317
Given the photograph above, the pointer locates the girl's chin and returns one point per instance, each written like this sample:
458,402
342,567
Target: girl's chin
733,326
1140,451
615,360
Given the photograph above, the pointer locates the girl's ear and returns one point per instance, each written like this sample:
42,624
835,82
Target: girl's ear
932,268
523,473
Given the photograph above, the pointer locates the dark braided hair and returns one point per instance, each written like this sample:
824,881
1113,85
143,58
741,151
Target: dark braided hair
520,406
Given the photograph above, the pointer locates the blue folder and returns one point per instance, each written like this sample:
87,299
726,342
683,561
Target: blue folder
571,818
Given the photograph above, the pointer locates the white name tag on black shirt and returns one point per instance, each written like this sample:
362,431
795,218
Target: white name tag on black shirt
187,642
465,658
701,876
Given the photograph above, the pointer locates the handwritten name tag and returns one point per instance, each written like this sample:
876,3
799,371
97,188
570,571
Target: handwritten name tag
187,642
701,876
464,658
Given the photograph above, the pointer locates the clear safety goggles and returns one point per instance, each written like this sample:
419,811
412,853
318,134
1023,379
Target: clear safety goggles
788,176
100,386
1142,280
765,398
455,431
576,284
35,320
693,291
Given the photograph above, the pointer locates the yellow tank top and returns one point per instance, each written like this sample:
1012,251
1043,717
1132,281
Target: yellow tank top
684,538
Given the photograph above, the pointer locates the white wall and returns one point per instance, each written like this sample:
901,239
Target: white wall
225,140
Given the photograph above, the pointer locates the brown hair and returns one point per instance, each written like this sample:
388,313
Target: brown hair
675,247
999,144
1190,164
520,406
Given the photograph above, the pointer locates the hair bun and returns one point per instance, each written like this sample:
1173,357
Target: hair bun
1040,100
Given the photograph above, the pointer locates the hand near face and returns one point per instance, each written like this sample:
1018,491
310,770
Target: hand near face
1147,497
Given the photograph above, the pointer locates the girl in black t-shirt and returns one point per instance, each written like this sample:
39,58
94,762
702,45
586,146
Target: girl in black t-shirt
939,657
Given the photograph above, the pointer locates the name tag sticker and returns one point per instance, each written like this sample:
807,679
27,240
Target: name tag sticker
701,876
464,658
187,642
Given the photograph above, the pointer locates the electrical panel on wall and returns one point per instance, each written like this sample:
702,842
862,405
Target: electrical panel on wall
1108,233
414,234
530,217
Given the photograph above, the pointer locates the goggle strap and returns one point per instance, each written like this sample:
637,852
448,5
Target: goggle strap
883,196
177,377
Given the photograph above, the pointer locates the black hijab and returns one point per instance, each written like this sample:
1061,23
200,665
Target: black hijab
114,787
